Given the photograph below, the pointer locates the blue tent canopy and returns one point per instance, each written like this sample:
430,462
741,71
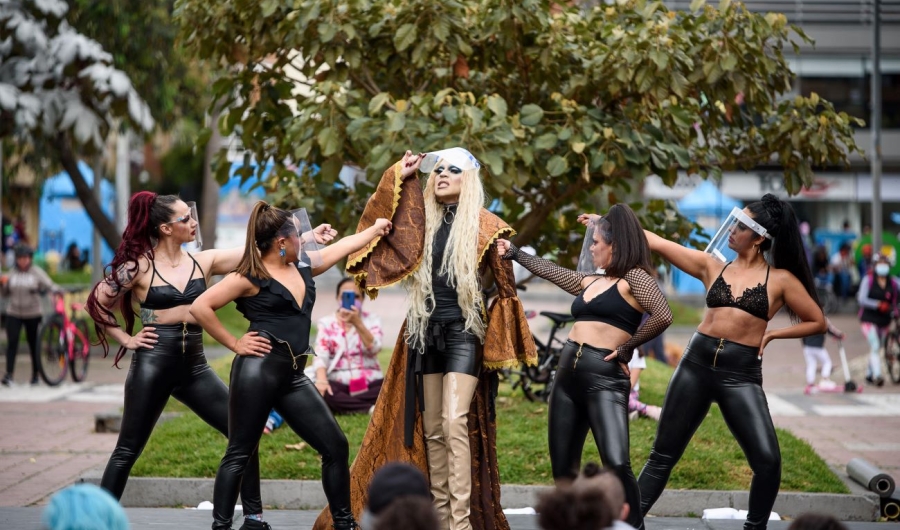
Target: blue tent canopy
707,200
63,219
708,206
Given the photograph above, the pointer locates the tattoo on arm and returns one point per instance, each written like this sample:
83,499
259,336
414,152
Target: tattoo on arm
148,316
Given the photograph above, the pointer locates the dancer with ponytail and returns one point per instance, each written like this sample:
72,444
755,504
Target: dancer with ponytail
723,360
168,360
276,294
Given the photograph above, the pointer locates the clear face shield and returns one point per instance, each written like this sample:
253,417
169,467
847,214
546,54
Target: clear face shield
720,245
310,254
586,258
197,244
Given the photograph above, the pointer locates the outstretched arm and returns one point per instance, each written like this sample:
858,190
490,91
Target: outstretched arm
347,245
567,280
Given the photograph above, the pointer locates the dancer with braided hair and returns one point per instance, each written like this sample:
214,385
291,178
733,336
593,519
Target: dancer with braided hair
168,351
592,383
723,360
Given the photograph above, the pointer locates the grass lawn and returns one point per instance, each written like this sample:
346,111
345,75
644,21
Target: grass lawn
186,447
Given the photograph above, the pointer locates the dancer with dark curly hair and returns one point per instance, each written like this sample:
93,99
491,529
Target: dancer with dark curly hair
723,360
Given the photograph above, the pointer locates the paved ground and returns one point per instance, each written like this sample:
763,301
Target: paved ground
47,439
165,518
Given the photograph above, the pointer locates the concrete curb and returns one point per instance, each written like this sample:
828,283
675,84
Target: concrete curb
151,492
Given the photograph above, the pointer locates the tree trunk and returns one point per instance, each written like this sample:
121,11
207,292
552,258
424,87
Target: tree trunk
104,224
209,199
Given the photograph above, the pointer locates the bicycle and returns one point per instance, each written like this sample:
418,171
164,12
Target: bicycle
63,344
892,350
536,381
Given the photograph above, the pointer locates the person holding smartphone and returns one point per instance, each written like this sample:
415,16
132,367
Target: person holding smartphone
345,368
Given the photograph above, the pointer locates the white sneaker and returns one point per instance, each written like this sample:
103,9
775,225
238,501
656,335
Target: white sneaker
827,384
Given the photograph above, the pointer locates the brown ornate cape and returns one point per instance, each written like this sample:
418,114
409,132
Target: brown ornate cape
386,261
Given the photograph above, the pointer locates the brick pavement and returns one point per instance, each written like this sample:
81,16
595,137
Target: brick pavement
46,445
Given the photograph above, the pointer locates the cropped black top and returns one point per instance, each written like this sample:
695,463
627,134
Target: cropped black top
755,300
608,307
167,296
275,313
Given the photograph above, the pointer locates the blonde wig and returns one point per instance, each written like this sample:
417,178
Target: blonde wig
460,262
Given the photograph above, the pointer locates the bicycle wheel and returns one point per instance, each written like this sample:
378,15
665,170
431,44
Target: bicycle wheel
892,356
52,354
81,350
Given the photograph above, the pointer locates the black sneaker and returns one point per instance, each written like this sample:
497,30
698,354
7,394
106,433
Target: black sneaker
253,524
879,382
7,380
35,381
870,380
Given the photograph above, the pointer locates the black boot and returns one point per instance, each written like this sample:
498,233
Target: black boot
344,522
253,524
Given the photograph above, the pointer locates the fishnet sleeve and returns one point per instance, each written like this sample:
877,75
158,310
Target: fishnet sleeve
565,279
646,292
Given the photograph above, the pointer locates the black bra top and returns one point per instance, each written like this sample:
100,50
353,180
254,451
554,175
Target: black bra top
608,307
755,300
275,311
167,296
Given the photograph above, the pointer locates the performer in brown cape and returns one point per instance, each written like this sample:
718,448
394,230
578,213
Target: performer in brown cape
438,392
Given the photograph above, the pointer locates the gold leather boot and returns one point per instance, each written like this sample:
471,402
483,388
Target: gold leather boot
458,392
436,446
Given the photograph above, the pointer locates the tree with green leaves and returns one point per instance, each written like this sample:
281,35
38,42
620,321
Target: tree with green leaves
59,95
568,107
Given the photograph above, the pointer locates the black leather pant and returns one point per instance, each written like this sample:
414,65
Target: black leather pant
591,393
451,349
259,384
14,326
731,375
175,367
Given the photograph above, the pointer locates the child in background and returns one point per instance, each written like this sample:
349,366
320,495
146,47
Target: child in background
637,365
815,353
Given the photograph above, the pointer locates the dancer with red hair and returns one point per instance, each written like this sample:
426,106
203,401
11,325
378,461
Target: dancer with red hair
151,265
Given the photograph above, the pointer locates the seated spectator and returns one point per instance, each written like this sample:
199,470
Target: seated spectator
84,507
73,259
399,499
345,368
580,505
606,480
816,521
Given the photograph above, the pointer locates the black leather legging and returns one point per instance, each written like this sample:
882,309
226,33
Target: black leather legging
731,375
175,366
591,393
259,384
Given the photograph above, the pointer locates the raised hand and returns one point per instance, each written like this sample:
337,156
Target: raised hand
586,218
324,234
502,247
252,345
382,226
411,163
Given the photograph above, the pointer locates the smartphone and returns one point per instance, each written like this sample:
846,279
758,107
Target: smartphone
348,299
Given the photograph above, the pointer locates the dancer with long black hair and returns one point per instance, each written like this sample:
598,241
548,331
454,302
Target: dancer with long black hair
277,297
723,360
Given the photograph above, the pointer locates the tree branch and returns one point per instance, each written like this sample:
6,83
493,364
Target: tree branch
102,223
